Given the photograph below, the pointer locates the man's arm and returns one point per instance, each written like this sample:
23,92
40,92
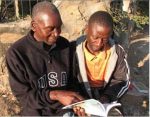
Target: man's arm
119,82
33,97
65,97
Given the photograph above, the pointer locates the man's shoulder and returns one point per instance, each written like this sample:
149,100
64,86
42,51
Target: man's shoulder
62,39
20,45
80,39
115,44
62,42
16,46
119,48
20,42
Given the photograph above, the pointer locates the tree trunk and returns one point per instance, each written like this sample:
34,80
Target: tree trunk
16,9
126,5
0,5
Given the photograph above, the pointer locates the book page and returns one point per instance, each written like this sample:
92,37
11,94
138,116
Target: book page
109,106
91,106
74,104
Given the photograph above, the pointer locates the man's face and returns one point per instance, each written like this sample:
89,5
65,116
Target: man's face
97,37
47,27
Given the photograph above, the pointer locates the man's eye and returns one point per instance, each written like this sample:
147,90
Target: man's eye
51,28
94,37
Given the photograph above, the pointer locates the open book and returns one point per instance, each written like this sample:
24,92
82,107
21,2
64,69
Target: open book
94,107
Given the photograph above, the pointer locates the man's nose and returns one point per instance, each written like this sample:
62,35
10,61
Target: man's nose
56,32
98,42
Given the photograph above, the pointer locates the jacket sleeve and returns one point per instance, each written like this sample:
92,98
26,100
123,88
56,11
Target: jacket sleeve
22,88
119,82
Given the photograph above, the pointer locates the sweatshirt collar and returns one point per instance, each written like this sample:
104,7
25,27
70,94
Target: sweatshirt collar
40,45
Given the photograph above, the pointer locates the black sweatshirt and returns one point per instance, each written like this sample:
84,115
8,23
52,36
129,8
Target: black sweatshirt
35,69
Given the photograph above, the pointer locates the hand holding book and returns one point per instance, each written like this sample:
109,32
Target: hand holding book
80,111
92,107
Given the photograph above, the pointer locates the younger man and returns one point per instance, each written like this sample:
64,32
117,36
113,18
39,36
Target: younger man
103,70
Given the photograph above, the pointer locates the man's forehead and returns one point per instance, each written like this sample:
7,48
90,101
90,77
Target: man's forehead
99,30
96,26
44,16
47,16
49,19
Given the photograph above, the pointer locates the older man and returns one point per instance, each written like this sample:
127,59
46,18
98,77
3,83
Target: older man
40,67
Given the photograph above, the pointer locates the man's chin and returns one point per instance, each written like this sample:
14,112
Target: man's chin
51,42
98,49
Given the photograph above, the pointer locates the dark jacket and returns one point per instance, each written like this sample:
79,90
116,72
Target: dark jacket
35,69
116,78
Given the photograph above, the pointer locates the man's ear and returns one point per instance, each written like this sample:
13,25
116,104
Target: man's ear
33,25
86,29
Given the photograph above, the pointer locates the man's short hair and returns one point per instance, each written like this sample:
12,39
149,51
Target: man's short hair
101,18
42,7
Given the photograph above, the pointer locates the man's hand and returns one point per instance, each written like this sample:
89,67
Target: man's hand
80,111
65,97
